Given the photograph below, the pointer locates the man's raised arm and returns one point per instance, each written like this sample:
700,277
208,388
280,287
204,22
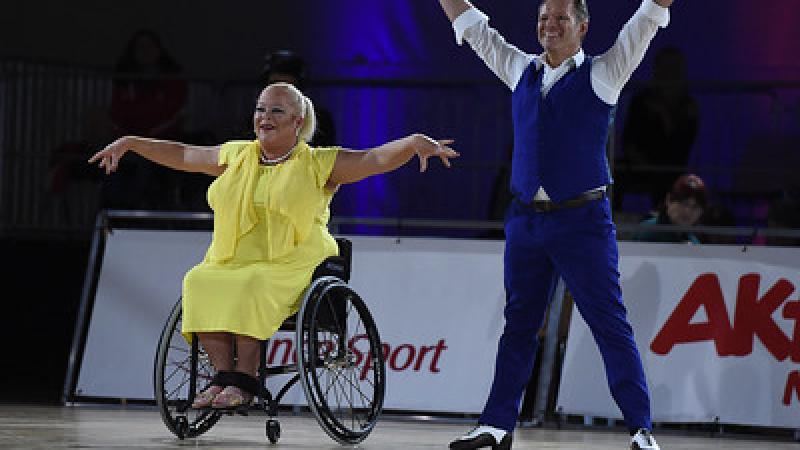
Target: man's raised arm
471,25
611,70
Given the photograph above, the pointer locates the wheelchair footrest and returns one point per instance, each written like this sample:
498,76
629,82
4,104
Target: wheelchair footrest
242,410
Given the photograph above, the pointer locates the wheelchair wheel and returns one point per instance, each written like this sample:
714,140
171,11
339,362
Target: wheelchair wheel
340,360
172,382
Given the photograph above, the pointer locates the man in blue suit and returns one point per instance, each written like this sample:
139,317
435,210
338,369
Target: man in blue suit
559,223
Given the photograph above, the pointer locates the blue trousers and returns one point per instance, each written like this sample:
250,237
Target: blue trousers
579,244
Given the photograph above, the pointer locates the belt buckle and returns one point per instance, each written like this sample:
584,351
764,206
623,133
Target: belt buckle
594,195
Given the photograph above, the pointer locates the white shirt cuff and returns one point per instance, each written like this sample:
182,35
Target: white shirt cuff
655,12
466,20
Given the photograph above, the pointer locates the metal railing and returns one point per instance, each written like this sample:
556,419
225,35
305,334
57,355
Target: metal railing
401,226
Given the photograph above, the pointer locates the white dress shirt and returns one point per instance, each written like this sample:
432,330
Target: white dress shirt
610,71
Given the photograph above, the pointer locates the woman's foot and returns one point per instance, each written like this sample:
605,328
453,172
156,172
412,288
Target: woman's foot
231,397
206,398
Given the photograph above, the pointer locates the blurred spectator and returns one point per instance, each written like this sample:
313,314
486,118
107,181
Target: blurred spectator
288,67
148,99
148,93
682,205
660,129
717,216
784,213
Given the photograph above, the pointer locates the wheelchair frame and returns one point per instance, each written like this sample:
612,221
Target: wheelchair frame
331,317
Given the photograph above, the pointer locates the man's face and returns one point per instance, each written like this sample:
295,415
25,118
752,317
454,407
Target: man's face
558,28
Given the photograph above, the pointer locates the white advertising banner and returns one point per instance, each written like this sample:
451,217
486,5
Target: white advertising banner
718,328
437,303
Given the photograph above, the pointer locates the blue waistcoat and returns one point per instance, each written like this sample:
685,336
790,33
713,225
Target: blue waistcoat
559,139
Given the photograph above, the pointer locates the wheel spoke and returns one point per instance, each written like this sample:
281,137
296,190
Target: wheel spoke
180,386
354,385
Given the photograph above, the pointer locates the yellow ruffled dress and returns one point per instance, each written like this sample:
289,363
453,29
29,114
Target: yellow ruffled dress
270,232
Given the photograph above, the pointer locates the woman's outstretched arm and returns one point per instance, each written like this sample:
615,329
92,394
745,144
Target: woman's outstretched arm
355,165
175,155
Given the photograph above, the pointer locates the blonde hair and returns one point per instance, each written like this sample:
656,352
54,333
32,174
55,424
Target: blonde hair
306,108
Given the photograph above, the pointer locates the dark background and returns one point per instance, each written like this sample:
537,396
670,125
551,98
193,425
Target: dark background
384,69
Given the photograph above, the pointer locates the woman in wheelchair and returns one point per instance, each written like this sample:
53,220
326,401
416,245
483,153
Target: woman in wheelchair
271,201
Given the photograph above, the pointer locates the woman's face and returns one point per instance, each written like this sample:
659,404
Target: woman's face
684,212
276,119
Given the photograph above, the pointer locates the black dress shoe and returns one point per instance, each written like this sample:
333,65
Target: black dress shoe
483,436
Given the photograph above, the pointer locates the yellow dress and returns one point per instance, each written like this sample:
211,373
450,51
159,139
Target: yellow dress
263,251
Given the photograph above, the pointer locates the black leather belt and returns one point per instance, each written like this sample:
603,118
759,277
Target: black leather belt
547,205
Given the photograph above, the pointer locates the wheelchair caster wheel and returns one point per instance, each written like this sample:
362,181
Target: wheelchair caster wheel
181,427
273,431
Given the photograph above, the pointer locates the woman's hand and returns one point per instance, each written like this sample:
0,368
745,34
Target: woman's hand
426,147
109,157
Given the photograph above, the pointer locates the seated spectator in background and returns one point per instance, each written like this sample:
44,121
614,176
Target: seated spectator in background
683,205
784,213
287,67
659,131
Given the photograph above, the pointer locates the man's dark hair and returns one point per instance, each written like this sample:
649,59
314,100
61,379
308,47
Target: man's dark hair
580,7
581,10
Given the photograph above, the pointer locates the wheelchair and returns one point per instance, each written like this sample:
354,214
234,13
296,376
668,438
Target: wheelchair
340,364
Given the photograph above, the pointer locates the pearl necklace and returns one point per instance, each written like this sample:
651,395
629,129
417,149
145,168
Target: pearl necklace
273,161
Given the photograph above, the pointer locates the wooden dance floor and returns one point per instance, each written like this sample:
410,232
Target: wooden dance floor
106,427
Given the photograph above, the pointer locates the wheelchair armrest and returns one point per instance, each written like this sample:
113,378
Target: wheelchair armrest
345,250
333,266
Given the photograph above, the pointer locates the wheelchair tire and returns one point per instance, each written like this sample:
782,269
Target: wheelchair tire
171,381
345,382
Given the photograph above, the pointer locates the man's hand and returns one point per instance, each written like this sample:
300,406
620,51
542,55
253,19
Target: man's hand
454,8
664,3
